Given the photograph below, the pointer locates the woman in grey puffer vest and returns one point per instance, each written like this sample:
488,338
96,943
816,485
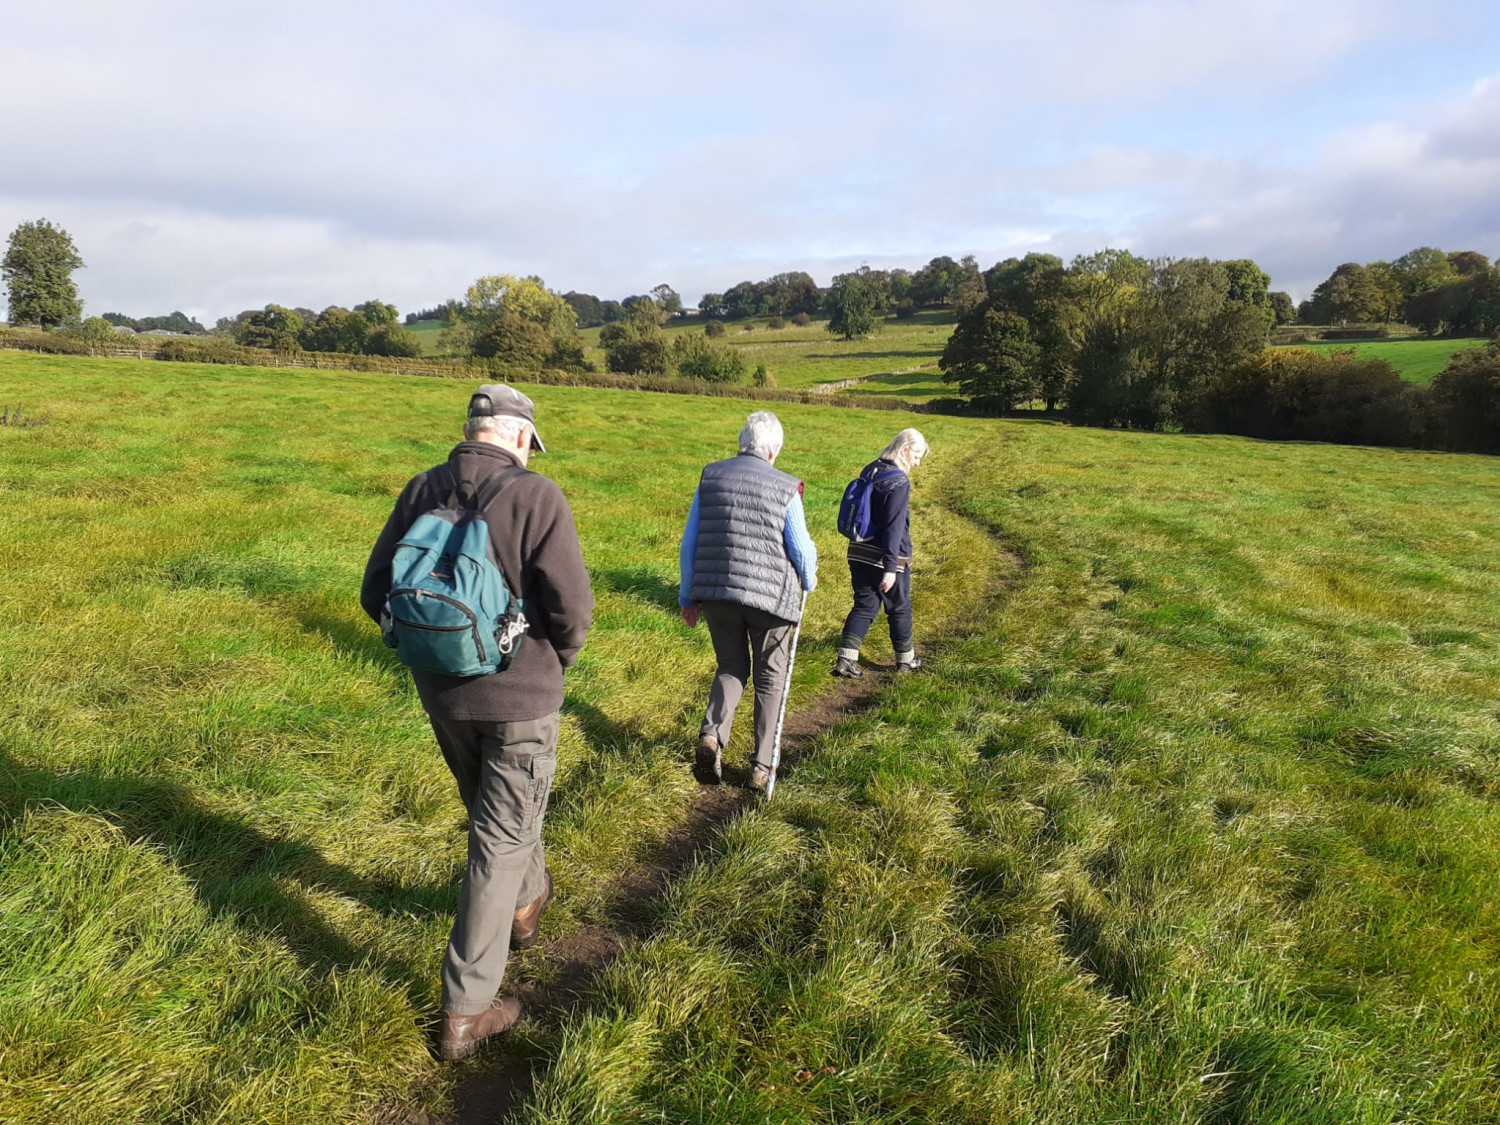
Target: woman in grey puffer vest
746,558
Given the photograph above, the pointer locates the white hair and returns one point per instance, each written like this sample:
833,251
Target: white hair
908,440
762,434
507,428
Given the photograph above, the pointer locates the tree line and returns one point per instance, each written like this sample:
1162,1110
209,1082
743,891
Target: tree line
369,328
1437,291
1110,338
1113,339
176,321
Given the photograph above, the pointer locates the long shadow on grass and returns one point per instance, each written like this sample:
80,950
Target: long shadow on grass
259,881
640,582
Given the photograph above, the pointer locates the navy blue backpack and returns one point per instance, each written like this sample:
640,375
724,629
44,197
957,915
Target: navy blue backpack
449,609
854,509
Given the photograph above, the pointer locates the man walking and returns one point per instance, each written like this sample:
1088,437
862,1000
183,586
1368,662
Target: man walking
880,565
746,559
498,732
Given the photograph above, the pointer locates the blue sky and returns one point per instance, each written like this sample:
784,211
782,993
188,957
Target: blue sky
217,157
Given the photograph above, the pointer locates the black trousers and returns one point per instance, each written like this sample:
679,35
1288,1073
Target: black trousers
869,600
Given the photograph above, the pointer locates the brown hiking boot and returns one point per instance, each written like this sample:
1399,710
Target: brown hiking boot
462,1035
528,923
708,764
760,778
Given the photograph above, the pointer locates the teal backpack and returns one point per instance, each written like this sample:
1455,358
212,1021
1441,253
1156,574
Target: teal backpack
449,609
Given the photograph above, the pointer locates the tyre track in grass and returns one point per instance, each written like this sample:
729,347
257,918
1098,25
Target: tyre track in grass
498,1080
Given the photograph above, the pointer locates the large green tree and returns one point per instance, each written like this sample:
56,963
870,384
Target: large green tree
1422,270
38,273
695,356
377,312
937,281
497,296
992,359
1351,293
1468,263
636,345
1248,283
336,330
275,327
519,343
668,298
1038,288
851,305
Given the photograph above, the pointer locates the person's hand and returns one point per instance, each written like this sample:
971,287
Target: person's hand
887,581
690,616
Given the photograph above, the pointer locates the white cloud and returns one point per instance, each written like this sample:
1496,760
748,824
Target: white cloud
214,157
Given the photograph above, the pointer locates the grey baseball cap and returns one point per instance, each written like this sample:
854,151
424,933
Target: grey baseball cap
495,400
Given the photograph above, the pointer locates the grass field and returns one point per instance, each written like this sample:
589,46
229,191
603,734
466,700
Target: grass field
1416,360
1194,817
427,332
803,357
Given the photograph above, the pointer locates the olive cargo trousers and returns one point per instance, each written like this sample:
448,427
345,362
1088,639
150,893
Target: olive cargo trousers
504,773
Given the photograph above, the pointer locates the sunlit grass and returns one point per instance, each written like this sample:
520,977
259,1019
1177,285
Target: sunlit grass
1192,818
230,847
1416,360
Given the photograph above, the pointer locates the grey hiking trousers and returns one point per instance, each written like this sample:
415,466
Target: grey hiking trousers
747,643
504,773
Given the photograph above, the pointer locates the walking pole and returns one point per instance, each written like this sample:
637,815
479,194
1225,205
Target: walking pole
786,690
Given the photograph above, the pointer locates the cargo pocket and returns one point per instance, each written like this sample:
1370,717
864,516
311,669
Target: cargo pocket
543,767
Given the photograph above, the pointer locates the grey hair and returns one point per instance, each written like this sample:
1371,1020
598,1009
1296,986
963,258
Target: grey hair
507,428
907,439
762,434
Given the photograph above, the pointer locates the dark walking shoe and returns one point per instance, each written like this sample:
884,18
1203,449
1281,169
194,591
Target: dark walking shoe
847,669
760,779
528,923
462,1035
708,766
912,665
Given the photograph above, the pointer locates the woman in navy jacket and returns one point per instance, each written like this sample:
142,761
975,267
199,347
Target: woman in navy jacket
880,566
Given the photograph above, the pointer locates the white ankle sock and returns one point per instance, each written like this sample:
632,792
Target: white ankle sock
906,657
849,654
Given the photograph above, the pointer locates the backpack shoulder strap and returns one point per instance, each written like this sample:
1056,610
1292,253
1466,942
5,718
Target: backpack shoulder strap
465,496
488,492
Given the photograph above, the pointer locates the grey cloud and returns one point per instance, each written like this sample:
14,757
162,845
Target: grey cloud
219,156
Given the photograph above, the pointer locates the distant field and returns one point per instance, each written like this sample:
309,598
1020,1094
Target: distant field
1418,361
426,332
910,386
803,357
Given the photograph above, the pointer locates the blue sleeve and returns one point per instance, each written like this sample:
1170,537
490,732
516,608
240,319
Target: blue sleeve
889,531
687,553
800,548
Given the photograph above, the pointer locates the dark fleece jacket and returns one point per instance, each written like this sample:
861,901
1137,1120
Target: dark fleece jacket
537,548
